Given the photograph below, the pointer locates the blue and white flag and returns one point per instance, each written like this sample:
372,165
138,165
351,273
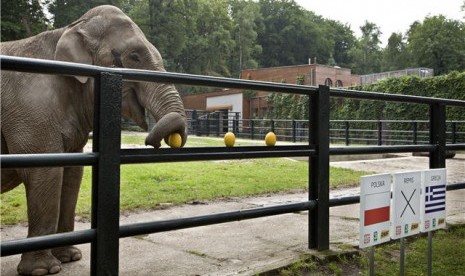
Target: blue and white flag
435,198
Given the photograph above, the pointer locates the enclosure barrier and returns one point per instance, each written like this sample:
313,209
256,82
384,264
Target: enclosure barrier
107,156
364,132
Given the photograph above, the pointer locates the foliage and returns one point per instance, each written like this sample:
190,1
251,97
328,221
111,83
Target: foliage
449,86
67,11
438,43
366,54
246,19
288,106
395,55
21,19
223,37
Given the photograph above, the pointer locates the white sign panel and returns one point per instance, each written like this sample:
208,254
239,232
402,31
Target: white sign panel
433,200
375,202
406,204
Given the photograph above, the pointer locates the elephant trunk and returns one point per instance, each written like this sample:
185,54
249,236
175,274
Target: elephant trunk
170,123
166,106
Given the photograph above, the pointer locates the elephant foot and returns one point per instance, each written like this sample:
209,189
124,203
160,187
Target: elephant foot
67,254
38,263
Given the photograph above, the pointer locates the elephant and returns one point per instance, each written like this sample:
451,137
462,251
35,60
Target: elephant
54,114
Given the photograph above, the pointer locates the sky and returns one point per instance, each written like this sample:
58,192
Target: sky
390,16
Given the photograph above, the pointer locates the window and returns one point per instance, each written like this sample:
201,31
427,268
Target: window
329,82
339,83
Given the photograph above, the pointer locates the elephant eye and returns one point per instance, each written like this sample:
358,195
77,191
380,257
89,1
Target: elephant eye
134,56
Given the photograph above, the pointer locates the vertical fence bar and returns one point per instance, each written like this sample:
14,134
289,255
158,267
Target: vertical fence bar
415,132
195,121
294,131
272,126
252,129
380,133
106,174
208,124
437,158
454,132
218,124
319,169
347,129
237,123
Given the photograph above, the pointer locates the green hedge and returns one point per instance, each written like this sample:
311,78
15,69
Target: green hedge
451,86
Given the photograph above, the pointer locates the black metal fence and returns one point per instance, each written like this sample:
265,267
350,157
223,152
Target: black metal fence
364,132
107,157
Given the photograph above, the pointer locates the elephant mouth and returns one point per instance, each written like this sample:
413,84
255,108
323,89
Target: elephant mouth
172,122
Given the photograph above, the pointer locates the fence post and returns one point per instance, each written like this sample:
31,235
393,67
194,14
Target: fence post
347,129
380,133
236,123
437,158
272,126
252,129
294,131
194,122
415,132
208,124
319,169
106,174
218,123
454,132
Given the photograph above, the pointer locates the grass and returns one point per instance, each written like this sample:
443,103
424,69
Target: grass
448,252
147,186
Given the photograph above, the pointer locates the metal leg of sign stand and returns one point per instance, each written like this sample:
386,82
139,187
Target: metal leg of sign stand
402,256
430,253
372,261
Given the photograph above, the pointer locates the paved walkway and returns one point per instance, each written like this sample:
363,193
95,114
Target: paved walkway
239,248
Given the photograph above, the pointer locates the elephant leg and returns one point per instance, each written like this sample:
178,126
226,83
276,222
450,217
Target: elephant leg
43,191
10,178
69,195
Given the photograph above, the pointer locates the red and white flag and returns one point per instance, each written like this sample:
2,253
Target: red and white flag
377,208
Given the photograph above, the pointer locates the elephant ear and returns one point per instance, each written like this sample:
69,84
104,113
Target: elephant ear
71,47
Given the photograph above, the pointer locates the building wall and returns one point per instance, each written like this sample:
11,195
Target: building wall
314,74
199,101
257,105
232,102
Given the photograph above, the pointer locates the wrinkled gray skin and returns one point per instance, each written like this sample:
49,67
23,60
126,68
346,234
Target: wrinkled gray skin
46,113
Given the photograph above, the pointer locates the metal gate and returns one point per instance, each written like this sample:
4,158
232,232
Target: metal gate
107,156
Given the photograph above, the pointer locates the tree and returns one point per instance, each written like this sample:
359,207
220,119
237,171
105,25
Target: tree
21,19
245,15
67,11
395,54
343,40
172,28
367,52
287,35
462,8
437,43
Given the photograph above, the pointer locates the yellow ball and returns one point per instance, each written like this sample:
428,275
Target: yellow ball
175,140
229,139
270,139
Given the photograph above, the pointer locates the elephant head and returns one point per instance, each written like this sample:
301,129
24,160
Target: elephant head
105,36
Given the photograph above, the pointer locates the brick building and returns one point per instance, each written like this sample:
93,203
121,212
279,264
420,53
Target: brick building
313,75
258,106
